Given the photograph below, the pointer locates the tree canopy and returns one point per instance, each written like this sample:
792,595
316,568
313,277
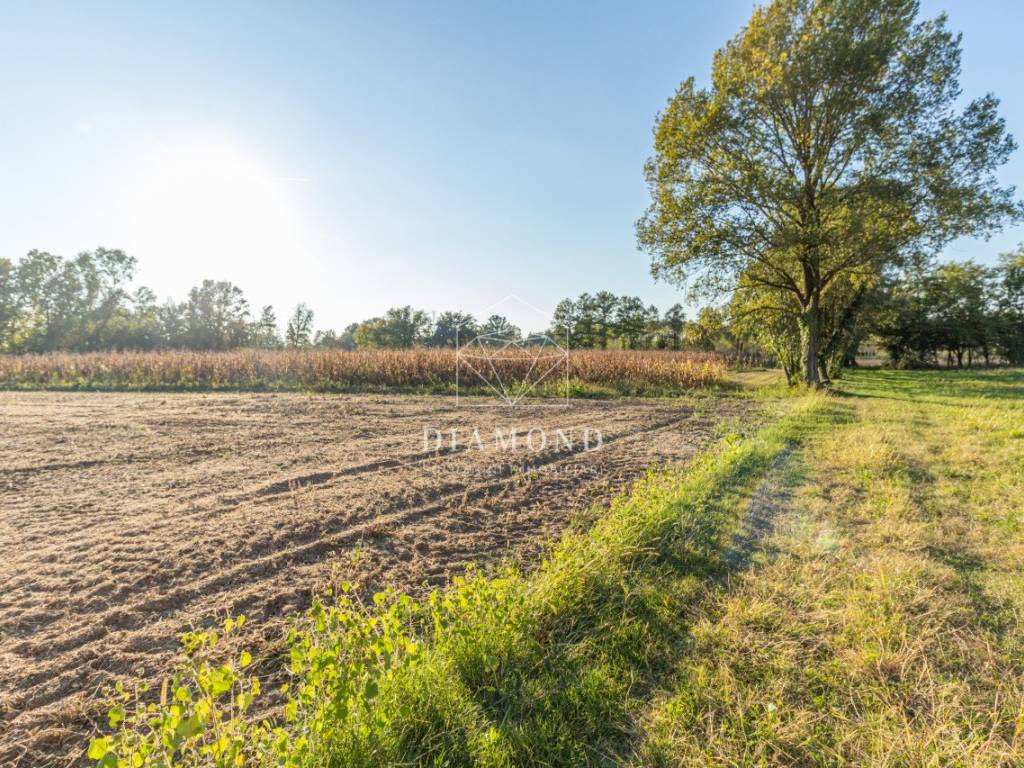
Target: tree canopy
827,150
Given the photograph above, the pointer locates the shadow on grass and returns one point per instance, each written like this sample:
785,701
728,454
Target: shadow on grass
937,387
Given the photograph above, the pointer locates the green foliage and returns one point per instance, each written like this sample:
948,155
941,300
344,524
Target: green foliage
500,325
954,314
400,328
605,320
826,152
265,334
198,719
49,304
452,329
216,316
1009,326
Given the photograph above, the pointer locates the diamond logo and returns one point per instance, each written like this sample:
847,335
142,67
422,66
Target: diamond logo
511,367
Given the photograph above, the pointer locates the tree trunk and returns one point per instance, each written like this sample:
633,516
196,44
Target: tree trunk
810,339
826,380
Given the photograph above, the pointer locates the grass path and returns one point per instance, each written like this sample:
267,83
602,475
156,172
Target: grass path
882,622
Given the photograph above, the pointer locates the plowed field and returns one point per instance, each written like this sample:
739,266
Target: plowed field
126,518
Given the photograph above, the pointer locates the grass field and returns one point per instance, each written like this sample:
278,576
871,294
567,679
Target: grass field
840,586
882,622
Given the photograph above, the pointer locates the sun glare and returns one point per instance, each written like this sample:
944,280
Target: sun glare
198,208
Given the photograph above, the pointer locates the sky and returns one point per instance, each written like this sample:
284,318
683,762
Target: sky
359,156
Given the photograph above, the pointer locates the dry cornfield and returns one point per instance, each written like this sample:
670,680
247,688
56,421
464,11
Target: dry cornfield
329,370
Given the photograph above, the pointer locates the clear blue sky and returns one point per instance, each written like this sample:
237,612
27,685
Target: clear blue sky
365,155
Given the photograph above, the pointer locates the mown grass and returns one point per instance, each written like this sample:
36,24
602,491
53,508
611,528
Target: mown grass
886,630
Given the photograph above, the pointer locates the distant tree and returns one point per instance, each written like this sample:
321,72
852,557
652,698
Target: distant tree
9,308
653,337
347,338
143,301
585,331
137,325
605,305
216,316
563,321
905,328
965,317
451,328
405,327
371,334
702,332
42,301
299,332
400,328
173,324
630,320
265,333
828,145
1009,323
675,318
328,339
67,304
952,314
496,324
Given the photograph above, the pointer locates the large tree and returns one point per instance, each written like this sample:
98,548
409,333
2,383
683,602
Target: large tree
827,149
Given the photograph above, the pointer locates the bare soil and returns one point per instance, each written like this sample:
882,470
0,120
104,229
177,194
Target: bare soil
125,519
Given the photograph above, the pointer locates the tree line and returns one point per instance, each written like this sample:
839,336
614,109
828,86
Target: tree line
599,321
606,321
956,314
49,303
83,304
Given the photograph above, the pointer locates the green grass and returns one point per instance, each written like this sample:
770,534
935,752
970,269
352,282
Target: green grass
886,627
879,624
